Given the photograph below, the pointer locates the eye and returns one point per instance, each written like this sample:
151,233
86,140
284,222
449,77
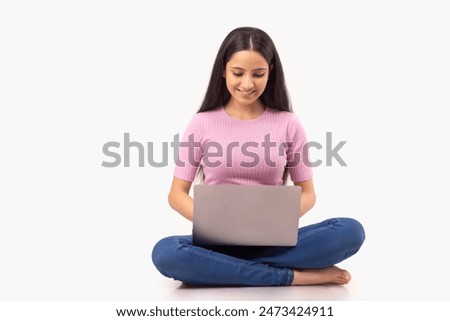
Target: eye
259,75
237,74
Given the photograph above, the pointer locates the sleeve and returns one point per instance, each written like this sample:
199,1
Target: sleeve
189,151
297,153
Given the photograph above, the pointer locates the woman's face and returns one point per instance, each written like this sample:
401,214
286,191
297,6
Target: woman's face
246,75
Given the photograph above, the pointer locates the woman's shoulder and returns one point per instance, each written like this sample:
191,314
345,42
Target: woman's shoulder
282,115
199,119
288,121
206,115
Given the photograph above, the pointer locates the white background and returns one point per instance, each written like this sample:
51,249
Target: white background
75,75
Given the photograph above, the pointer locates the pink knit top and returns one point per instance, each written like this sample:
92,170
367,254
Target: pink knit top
243,152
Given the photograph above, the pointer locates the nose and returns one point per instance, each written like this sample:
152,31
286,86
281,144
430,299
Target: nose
247,82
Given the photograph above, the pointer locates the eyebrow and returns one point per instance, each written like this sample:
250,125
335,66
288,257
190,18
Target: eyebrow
257,69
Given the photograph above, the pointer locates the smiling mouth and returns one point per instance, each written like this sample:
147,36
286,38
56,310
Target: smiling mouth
246,92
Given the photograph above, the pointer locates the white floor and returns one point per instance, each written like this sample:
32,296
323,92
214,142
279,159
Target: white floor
178,292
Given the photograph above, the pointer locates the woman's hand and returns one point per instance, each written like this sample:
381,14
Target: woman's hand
179,198
308,197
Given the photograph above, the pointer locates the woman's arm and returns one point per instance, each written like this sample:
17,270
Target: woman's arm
308,197
179,198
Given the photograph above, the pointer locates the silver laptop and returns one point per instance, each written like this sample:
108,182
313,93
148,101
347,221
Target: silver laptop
256,215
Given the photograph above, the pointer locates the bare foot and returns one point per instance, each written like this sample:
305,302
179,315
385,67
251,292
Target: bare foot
329,275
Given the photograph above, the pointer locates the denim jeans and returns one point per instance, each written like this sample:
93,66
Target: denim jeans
319,245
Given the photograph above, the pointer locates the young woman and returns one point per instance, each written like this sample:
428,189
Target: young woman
247,106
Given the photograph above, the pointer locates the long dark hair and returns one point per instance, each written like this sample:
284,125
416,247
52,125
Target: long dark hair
275,94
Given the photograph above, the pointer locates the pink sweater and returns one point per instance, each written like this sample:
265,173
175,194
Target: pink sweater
243,152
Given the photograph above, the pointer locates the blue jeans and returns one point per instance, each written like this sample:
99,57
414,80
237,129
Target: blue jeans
319,245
